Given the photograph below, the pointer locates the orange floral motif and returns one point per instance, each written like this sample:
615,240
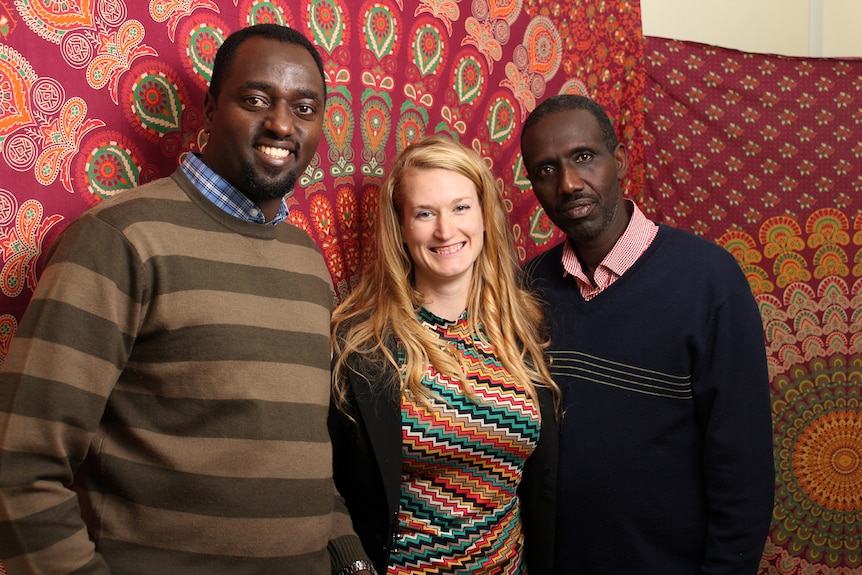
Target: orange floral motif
21,246
828,460
173,11
446,11
743,248
117,50
486,38
61,140
16,80
51,19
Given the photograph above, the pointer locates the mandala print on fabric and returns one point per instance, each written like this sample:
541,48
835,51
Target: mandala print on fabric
810,299
756,152
111,163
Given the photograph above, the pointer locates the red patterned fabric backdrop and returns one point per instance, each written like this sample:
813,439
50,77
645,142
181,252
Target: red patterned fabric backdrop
761,154
101,96
97,96
758,153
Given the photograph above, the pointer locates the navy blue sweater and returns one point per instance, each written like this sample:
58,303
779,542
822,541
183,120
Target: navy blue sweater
666,463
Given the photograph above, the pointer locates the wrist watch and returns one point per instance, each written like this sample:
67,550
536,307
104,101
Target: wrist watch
356,566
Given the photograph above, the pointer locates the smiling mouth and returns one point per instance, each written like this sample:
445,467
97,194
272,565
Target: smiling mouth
449,250
274,152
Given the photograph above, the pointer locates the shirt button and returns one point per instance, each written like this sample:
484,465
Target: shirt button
254,212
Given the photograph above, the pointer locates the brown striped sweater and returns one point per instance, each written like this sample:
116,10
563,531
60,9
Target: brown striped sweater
163,405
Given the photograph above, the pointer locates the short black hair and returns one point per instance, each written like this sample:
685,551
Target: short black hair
566,102
227,51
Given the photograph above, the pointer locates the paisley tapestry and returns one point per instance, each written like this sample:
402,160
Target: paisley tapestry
98,96
101,95
763,155
758,153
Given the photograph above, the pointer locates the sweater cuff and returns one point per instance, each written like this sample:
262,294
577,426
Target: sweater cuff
345,550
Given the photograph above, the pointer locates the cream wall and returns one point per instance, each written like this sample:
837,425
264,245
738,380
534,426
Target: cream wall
790,27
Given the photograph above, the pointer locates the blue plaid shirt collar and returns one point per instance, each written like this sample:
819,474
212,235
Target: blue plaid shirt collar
229,199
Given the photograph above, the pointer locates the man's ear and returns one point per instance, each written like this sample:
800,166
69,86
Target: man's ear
209,107
621,156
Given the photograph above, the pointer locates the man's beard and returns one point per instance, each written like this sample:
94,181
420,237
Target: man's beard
588,231
258,188
593,232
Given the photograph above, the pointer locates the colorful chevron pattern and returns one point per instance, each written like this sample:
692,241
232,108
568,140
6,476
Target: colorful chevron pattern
462,464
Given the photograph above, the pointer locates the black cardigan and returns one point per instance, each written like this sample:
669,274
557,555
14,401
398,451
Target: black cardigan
367,466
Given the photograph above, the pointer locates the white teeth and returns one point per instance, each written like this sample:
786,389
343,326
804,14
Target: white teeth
274,152
448,249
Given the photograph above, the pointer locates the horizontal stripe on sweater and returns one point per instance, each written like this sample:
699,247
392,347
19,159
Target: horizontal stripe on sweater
599,370
182,417
158,560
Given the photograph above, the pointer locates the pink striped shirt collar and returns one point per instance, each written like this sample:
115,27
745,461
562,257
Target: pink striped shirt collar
638,236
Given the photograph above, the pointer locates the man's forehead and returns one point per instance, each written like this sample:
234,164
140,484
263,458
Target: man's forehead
293,55
570,128
578,116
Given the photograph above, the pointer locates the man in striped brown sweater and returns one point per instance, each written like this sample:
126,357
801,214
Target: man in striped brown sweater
163,405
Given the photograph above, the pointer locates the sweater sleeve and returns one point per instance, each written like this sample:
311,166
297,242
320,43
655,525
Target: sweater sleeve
732,391
344,546
63,363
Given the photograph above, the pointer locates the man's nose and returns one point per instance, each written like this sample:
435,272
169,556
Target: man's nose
280,120
570,180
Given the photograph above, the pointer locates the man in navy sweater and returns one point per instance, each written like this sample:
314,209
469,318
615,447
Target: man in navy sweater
666,463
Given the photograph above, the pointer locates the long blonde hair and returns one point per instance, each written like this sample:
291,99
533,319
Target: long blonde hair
383,306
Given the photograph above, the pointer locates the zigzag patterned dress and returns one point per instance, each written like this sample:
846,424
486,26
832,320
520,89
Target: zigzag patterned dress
462,464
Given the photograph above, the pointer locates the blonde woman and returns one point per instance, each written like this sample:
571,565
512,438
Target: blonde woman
443,421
